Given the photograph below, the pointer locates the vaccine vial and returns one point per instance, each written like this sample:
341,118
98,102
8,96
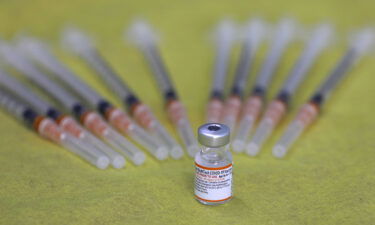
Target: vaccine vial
213,165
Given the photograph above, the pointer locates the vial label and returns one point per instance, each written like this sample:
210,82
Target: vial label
213,184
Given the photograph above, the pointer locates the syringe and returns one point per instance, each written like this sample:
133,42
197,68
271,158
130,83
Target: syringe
319,40
283,34
143,35
253,34
224,38
81,44
66,123
90,119
362,42
46,128
116,117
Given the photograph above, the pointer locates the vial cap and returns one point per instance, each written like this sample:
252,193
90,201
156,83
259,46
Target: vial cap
213,135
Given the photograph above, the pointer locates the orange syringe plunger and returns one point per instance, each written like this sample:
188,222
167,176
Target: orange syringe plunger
115,116
48,129
70,125
214,110
252,107
231,111
143,115
176,111
308,113
94,123
215,106
118,119
275,111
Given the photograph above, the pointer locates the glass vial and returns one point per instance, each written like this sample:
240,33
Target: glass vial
213,165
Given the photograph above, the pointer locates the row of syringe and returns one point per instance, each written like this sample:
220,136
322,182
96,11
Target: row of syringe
240,113
28,53
98,130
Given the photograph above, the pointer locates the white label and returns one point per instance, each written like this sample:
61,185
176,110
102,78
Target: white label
213,184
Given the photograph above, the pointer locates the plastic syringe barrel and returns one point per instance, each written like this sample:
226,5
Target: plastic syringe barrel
39,78
161,74
17,109
224,40
42,55
253,34
81,44
22,91
283,35
361,43
337,74
321,37
143,35
93,58
242,70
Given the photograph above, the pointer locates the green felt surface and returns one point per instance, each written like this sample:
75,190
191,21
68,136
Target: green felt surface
328,177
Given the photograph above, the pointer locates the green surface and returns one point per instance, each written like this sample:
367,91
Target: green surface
328,178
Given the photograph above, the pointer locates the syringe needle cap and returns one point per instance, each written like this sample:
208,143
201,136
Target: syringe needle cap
225,32
285,29
279,151
141,33
252,149
254,31
75,40
363,40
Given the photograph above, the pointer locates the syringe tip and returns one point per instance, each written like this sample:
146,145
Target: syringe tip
279,151
238,145
138,158
161,153
252,149
102,162
192,150
118,162
176,152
